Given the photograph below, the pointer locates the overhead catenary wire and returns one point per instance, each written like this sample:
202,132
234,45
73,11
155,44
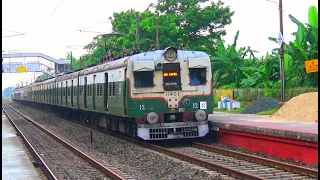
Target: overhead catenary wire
14,35
55,10
93,26
12,31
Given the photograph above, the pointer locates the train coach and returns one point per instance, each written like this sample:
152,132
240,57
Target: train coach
155,95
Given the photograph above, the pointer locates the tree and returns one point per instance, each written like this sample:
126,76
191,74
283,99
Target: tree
198,25
228,64
188,22
303,48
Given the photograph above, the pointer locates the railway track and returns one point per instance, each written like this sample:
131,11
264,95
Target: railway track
230,164
256,159
57,158
251,168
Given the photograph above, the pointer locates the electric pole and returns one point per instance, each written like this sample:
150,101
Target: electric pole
157,34
137,31
282,78
71,67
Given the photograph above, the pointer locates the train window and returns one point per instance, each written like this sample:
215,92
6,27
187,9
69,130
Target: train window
143,78
101,90
114,89
110,89
98,89
171,76
197,76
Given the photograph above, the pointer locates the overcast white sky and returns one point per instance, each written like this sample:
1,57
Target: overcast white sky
50,25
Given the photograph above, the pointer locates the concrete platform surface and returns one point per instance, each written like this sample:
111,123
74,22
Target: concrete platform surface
259,124
15,162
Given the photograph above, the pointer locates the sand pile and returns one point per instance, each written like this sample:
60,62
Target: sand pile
300,108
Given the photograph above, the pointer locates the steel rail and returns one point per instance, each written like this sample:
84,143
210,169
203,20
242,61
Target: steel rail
93,162
184,157
45,168
260,160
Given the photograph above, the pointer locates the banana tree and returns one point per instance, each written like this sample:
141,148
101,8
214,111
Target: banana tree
303,48
227,63
264,74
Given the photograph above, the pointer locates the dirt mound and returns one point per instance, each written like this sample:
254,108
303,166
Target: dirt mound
262,104
300,108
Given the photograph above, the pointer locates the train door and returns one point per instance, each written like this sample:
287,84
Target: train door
72,93
94,92
61,93
54,93
106,91
85,88
67,93
78,90
57,91
124,93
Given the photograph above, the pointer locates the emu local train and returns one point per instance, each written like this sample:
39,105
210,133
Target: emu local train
155,95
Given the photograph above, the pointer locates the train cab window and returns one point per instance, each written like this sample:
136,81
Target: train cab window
143,78
197,76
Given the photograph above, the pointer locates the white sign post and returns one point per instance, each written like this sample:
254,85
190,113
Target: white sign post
280,39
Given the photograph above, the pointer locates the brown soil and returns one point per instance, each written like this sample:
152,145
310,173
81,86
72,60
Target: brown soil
300,108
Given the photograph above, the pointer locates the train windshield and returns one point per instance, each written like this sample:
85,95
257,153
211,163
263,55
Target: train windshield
171,76
143,79
197,76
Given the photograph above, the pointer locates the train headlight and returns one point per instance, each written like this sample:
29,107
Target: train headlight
201,115
152,118
170,54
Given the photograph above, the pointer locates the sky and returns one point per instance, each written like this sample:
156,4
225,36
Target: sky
51,27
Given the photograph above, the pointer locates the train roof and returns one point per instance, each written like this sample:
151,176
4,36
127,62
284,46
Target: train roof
158,55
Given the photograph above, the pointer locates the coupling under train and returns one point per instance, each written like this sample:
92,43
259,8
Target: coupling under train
154,95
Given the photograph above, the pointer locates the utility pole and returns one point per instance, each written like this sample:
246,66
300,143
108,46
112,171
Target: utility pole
282,78
71,67
137,31
157,34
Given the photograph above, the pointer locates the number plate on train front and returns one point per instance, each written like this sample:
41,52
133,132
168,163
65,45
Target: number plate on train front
172,93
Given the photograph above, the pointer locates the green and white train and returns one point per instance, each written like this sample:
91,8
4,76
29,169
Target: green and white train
155,95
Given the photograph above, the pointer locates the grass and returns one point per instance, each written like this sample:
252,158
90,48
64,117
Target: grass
314,166
243,106
268,112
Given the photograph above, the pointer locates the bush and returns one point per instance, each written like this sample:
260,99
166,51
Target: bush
216,99
241,98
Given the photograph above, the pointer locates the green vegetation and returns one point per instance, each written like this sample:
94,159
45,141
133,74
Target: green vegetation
201,28
186,22
268,112
314,166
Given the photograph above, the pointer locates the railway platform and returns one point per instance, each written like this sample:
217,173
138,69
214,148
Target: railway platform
15,161
283,139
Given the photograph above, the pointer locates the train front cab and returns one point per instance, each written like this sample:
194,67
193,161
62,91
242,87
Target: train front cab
167,105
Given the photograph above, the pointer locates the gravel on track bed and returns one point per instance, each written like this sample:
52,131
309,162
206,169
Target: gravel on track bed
238,149
134,160
262,104
242,165
62,161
